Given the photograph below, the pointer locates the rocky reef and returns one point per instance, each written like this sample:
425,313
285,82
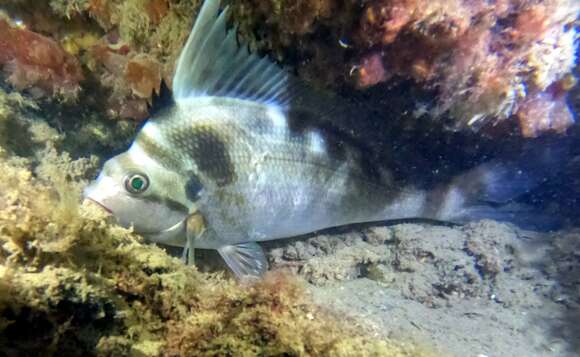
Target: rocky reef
484,64
126,48
481,289
488,62
74,283
34,61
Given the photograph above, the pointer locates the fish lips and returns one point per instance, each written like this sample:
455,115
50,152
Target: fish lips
100,205
88,196
110,212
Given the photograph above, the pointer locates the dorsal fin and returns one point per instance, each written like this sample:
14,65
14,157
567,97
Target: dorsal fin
212,64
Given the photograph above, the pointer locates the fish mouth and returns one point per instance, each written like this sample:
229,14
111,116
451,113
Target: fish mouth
99,204
170,229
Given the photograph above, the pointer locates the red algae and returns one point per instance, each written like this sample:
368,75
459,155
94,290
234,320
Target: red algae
38,63
481,60
544,112
125,47
157,10
133,78
143,75
371,71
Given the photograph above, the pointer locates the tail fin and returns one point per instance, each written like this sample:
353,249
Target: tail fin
491,190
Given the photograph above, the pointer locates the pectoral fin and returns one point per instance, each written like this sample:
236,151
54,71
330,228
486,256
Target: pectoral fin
188,254
195,227
245,259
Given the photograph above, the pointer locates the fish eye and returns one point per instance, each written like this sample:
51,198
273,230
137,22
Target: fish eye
136,183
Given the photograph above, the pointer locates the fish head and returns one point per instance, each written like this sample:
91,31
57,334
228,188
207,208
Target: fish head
144,196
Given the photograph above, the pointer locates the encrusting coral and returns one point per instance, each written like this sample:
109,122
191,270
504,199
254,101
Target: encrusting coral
74,283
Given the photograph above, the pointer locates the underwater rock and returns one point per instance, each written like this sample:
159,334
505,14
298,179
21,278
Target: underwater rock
73,282
488,62
30,129
138,50
127,48
485,63
428,264
310,36
481,289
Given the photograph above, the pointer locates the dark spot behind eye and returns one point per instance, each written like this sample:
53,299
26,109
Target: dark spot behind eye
210,151
192,188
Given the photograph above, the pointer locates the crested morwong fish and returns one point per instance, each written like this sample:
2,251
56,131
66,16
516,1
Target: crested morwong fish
245,154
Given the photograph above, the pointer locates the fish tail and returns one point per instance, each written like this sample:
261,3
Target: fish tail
493,190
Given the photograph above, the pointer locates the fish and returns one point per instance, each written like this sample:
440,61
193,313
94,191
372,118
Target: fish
247,153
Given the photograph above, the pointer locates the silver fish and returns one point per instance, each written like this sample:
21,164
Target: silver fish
237,160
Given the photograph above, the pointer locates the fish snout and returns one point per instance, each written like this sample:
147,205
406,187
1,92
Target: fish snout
90,197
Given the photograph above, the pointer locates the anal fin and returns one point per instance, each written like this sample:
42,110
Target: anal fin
245,259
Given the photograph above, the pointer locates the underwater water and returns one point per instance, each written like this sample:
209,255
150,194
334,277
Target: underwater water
317,177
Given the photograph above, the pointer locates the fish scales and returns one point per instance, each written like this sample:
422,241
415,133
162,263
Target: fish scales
254,159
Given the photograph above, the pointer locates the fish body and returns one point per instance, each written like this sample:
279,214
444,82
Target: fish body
262,179
246,154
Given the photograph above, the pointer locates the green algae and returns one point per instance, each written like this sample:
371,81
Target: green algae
134,24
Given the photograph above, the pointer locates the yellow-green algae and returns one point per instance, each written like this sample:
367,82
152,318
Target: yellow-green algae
156,27
74,283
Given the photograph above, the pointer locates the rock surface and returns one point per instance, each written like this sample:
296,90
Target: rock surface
482,289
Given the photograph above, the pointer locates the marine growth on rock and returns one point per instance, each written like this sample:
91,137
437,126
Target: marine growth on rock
486,62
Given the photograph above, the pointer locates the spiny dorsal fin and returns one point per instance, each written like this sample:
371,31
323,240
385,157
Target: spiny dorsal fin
212,64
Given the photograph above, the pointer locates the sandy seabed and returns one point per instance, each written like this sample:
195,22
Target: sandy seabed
484,289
